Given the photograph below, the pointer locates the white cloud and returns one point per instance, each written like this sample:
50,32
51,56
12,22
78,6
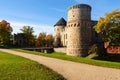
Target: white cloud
37,27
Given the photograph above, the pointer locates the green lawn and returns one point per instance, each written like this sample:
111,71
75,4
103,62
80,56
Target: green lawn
75,59
13,67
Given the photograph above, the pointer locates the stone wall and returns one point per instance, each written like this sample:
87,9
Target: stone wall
79,30
63,49
78,34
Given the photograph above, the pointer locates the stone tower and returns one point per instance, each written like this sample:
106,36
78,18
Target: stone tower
79,30
59,28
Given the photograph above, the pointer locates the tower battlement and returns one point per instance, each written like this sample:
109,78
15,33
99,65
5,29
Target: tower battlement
79,6
80,12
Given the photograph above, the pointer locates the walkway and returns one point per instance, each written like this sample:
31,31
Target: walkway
73,70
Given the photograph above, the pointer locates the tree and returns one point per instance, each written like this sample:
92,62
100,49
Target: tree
110,20
5,33
112,35
28,31
109,26
44,40
41,40
49,40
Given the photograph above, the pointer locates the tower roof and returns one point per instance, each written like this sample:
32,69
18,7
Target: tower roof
61,22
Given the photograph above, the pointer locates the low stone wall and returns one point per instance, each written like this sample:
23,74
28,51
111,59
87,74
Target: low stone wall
62,49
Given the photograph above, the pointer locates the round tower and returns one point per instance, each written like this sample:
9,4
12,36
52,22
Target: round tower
58,29
79,30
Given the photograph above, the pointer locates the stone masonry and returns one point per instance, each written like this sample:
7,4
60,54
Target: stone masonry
77,33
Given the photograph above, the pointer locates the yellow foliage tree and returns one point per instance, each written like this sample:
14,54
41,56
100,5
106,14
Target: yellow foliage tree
110,27
110,19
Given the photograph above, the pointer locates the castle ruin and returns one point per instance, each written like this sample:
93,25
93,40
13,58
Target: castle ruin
77,34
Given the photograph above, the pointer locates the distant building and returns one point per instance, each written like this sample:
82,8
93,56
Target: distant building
77,34
112,49
20,40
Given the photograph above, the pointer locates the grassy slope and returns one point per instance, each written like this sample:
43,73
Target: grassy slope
13,67
76,59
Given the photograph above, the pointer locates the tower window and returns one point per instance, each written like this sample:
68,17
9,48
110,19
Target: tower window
69,25
78,24
74,25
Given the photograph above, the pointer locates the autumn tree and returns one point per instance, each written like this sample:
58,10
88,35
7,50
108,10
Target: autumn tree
109,26
40,42
44,40
49,40
5,33
110,20
28,31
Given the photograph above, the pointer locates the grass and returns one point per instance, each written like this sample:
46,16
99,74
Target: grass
13,67
92,56
75,59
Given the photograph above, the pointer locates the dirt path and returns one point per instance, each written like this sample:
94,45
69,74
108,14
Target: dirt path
73,70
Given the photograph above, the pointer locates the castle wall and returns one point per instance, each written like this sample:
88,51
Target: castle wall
63,49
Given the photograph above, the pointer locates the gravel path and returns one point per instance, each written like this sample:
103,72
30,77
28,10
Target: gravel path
72,70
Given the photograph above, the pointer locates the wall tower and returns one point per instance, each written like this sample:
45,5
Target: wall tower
79,30
59,29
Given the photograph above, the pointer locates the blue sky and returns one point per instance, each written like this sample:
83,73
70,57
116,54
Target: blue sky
43,14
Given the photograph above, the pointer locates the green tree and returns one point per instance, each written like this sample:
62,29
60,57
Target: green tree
28,31
5,33
112,35
109,26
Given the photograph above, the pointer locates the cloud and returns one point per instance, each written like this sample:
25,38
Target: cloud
37,27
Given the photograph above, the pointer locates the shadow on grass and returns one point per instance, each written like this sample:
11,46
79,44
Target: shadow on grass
108,57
